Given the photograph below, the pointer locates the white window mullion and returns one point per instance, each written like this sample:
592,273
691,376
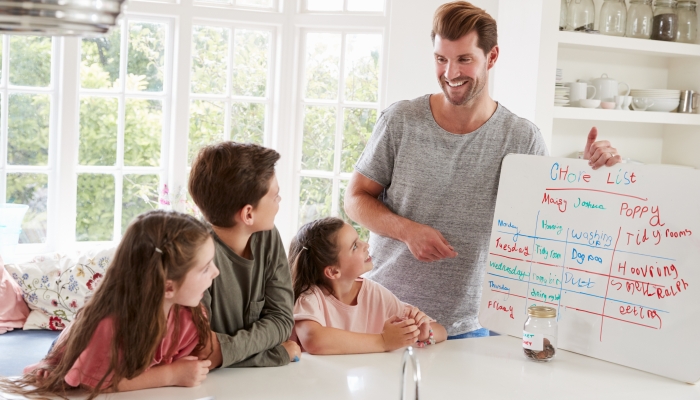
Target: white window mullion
181,66
229,83
4,103
338,150
65,192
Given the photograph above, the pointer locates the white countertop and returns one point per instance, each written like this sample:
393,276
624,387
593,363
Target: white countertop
479,368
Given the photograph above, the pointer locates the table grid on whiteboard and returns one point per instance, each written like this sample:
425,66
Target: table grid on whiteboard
654,311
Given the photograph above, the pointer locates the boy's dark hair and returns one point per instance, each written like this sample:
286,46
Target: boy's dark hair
456,19
227,176
313,249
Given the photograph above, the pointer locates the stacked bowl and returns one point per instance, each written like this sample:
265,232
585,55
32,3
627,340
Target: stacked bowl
561,95
664,100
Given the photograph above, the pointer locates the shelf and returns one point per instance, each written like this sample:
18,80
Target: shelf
578,40
649,117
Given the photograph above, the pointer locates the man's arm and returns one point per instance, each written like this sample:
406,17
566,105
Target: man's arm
362,205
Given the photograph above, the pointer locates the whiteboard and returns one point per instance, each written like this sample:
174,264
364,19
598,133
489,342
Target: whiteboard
616,251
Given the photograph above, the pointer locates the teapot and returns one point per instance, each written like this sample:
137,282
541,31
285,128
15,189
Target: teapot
607,88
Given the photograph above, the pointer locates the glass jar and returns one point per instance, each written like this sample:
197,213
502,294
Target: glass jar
687,22
562,15
580,15
613,18
665,24
540,333
639,19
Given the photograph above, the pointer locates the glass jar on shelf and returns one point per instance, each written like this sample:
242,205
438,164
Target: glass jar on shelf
580,16
665,24
562,15
687,22
640,16
540,333
613,18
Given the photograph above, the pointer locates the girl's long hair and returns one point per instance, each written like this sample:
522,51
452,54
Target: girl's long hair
313,249
132,294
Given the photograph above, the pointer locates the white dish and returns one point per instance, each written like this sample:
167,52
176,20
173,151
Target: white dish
664,106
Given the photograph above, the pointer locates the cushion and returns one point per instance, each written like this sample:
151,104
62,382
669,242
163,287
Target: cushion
56,286
13,309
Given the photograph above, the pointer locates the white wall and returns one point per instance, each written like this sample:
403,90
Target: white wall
516,74
411,72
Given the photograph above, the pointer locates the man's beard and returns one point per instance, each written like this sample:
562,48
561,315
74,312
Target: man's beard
473,91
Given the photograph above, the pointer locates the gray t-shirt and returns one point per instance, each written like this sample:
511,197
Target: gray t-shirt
446,181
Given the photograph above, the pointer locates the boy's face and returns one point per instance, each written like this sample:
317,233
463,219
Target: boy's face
267,207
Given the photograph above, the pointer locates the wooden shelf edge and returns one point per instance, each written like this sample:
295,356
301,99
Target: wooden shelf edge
627,45
649,117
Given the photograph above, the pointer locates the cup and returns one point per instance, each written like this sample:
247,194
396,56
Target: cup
641,103
689,102
626,103
578,91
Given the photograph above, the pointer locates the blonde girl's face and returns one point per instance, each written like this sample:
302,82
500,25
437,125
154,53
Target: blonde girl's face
353,256
199,278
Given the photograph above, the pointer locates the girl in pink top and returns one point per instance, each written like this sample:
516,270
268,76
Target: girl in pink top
336,311
144,327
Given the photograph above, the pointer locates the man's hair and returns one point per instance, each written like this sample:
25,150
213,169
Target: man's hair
456,19
227,176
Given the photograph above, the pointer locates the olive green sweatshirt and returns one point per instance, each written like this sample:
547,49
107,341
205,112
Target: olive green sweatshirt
250,303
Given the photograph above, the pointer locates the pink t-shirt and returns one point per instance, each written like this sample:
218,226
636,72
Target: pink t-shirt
93,362
375,304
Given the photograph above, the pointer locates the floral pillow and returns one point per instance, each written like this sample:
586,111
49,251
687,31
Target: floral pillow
56,286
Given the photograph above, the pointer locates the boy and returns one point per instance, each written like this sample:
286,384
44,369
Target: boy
250,303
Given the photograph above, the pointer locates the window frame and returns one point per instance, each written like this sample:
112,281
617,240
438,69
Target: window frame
283,124
50,169
337,176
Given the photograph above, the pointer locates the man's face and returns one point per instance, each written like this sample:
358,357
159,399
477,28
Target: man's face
461,67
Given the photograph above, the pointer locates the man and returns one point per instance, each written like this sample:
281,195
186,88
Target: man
427,181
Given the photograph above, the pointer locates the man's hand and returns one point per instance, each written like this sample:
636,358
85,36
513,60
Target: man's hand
600,153
293,350
428,244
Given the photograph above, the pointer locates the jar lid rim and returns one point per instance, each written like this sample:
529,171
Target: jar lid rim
542,311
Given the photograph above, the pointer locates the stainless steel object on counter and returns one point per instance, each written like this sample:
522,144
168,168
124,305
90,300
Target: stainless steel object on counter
409,355
689,102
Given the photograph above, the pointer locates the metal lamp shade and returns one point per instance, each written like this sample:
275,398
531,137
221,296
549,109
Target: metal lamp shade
59,17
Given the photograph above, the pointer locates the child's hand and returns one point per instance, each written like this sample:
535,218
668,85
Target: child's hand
418,316
424,329
398,333
189,371
293,350
40,374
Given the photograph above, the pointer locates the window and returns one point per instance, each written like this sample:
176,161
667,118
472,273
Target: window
28,130
230,85
339,109
123,98
345,5
135,108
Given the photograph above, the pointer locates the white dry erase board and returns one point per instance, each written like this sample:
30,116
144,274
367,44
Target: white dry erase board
616,251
